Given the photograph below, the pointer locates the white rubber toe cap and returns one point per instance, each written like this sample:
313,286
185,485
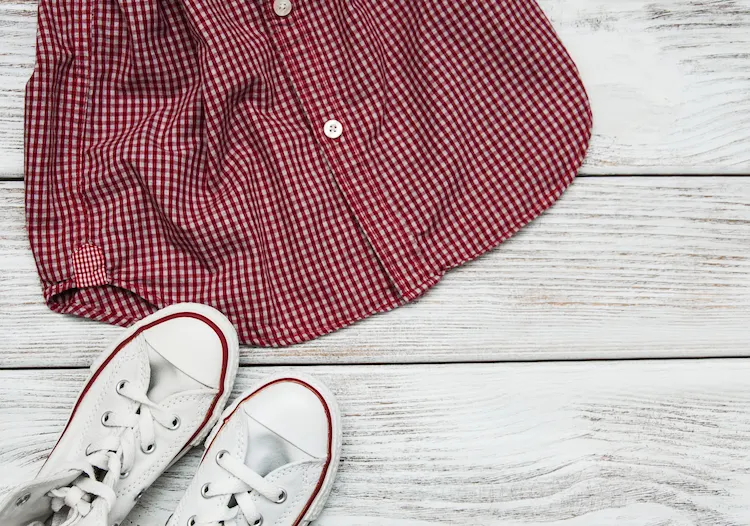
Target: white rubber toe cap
192,342
294,411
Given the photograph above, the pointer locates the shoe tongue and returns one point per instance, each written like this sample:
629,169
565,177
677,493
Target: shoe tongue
60,517
94,518
166,379
268,451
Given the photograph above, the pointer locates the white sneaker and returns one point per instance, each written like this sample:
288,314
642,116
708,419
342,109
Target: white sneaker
271,460
151,397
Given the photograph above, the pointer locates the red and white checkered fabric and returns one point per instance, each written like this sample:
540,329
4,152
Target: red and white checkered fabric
175,151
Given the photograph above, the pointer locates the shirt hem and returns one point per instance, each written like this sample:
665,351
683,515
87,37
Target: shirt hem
65,297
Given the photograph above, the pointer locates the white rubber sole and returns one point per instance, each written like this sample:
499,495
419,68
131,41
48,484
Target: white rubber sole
317,505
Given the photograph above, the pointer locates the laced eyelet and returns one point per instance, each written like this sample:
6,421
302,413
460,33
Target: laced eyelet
121,385
124,474
282,497
221,454
175,423
105,418
20,501
204,490
258,521
149,449
191,521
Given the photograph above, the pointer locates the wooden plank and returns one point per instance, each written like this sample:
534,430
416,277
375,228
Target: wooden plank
18,29
575,444
621,267
667,80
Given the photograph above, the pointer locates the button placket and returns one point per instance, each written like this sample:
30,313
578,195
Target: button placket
388,247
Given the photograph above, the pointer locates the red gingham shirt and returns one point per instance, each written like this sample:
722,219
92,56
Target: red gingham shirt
297,164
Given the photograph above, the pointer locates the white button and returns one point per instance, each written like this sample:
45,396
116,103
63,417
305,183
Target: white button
282,7
333,129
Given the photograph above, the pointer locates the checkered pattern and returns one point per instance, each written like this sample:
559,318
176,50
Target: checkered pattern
175,151
88,266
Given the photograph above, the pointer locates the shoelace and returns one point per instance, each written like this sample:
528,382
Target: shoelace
244,482
114,455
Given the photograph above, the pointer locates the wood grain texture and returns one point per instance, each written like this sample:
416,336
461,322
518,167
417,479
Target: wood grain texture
620,267
574,444
17,34
667,79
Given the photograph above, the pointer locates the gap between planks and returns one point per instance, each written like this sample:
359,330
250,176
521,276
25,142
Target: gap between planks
19,179
304,365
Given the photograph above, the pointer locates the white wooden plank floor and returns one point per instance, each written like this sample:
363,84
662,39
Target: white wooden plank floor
587,443
667,80
630,266
619,267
